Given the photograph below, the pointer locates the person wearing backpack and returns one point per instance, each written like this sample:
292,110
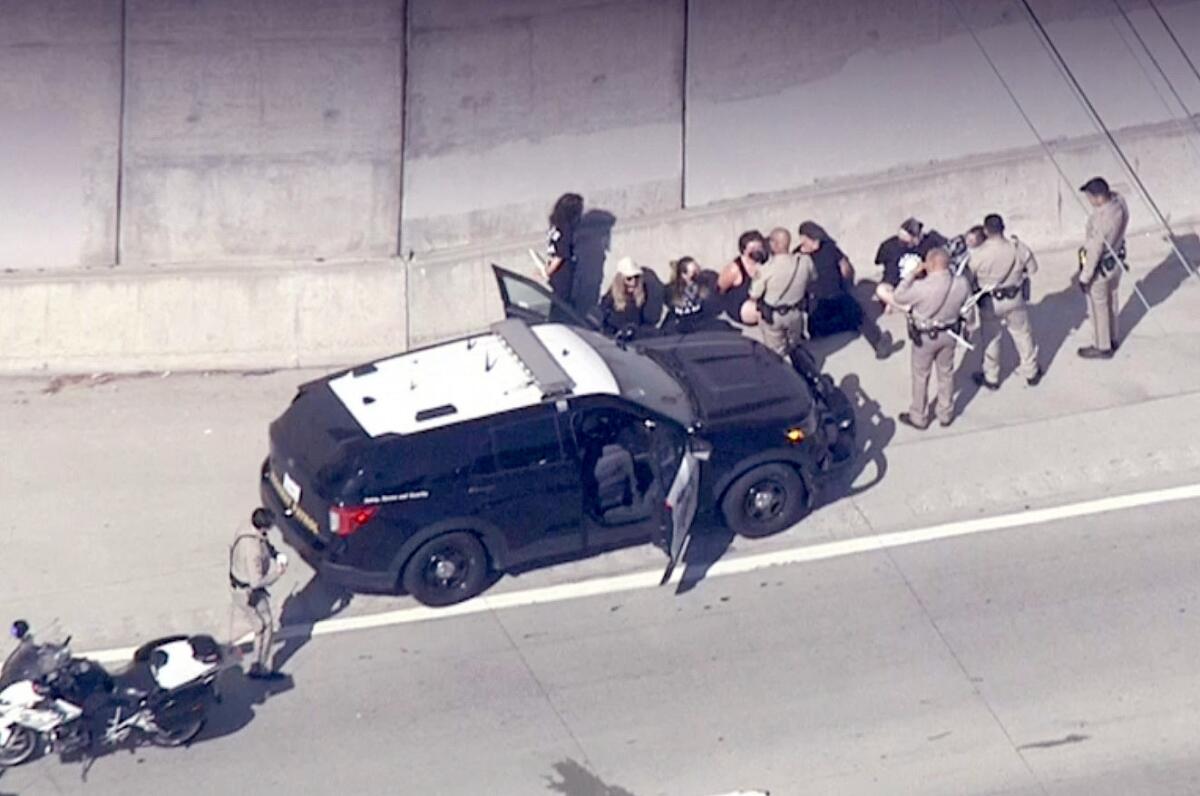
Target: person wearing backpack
255,565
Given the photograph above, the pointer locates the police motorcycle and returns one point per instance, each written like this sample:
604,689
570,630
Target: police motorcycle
72,703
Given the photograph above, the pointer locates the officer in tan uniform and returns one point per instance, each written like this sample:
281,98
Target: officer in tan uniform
254,565
934,298
1100,262
1001,268
779,289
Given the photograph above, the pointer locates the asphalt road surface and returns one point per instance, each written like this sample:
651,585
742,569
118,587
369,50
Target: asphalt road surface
1057,658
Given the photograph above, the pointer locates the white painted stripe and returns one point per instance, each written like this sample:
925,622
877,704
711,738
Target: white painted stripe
735,566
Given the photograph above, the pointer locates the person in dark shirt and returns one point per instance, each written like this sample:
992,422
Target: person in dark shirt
690,303
560,244
911,238
733,284
833,307
624,309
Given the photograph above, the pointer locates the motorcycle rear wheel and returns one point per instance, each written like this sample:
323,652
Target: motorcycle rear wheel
181,735
22,744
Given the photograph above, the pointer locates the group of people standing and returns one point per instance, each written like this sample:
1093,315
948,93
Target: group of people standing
807,291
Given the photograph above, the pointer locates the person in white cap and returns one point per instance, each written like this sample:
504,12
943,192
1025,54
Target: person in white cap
624,309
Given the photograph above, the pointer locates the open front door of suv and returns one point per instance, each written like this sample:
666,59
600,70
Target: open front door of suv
533,303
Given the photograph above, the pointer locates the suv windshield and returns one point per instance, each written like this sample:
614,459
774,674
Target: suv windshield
643,381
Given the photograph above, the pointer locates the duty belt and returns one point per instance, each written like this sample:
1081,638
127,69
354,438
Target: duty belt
932,331
1007,293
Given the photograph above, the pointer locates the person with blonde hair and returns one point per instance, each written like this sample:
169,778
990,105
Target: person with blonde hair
624,310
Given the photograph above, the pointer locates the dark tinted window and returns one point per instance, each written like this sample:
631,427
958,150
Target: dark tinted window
527,443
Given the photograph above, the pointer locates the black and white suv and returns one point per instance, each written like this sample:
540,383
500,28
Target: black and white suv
428,471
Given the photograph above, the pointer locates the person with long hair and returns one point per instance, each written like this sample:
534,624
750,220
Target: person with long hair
624,309
733,284
560,244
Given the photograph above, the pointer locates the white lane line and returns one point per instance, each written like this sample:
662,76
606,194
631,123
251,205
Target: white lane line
735,566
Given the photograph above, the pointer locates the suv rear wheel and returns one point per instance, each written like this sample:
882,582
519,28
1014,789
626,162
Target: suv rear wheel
446,570
764,501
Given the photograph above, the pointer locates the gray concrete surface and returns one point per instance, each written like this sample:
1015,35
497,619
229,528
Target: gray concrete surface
134,485
1049,660
254,139
264,129
512,104
60,118
845,89
129,320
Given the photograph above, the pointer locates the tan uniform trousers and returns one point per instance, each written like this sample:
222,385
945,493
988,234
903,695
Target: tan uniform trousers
1103,303
259,618
785,333
1014,316
936,354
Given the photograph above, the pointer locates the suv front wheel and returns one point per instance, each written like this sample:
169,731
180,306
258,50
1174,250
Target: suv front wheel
764,501
446,570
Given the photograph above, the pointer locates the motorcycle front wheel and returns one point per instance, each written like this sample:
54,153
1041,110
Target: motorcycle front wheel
179,735
21,745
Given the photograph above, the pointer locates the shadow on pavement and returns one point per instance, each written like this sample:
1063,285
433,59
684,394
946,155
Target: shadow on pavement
1160,284
874,432
317,600
1054,319
593,239
572,779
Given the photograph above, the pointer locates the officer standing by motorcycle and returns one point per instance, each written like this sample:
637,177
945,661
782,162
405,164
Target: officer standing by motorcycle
254,565
1001,268
933,298
1100,263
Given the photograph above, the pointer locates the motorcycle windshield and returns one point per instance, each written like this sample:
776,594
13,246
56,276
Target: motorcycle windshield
28,661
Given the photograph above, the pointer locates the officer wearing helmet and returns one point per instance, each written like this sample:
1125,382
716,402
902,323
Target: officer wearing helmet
254,565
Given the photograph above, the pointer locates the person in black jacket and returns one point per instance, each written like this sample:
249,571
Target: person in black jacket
625,309
691,302
833,307
561,261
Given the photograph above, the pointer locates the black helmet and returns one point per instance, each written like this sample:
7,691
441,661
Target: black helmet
19,629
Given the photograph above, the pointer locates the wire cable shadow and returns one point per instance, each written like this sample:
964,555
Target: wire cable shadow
317,600
1160,283
1055,318
875,431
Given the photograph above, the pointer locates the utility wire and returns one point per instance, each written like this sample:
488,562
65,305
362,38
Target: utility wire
1174,38
1162,73
1067,181
1086,101
1103,129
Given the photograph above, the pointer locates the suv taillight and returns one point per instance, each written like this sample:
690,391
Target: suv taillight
345,520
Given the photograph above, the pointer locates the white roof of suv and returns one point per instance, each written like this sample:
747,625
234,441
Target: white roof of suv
471,378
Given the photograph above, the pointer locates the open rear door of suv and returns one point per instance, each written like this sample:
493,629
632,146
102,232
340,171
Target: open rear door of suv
533,303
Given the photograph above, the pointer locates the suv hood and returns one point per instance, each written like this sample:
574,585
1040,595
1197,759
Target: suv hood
733,379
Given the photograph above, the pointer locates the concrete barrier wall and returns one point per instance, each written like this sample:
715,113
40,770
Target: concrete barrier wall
512,103
783,95
262,151
262,129
60,100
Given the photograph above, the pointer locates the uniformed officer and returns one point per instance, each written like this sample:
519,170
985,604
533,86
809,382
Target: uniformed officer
1100,262
254,564
934,298
779,289
1001,267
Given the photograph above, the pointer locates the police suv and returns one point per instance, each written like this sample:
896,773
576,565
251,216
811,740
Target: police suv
543,439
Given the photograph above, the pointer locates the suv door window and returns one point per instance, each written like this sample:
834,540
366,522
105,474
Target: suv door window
529,443
525,299
521,483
